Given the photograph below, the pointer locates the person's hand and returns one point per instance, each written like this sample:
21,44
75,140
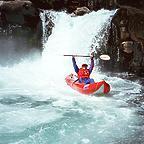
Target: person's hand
73,57
92,55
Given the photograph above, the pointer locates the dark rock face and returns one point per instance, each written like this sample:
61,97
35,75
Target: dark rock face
137,4
20,25
72,5
50,4
126,41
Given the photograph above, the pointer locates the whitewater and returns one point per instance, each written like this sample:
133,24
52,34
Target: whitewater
37,107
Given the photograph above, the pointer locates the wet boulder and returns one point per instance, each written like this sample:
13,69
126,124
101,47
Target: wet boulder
20,29
19,12
81,11
127,46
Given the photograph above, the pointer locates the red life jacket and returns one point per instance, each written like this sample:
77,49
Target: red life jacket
83,73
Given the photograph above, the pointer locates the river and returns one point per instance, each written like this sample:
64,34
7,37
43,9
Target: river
37,107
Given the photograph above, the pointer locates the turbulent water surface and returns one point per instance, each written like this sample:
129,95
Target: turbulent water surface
37,107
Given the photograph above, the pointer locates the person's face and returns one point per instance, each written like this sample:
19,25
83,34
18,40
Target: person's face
84,67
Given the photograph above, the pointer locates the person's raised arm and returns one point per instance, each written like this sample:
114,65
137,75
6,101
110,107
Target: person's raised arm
92,64
75,65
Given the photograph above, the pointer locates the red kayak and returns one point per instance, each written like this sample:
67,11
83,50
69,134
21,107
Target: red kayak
94,88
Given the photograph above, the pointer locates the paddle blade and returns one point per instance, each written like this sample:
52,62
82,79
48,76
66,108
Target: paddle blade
105,57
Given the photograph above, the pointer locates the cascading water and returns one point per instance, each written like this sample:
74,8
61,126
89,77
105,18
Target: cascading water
37,107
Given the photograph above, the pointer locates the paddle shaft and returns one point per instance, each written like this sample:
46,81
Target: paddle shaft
102,57
78,55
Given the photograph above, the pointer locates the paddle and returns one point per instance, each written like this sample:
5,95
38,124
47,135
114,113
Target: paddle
77,55
103,57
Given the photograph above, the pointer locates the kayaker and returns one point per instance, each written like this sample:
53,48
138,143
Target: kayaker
83,72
